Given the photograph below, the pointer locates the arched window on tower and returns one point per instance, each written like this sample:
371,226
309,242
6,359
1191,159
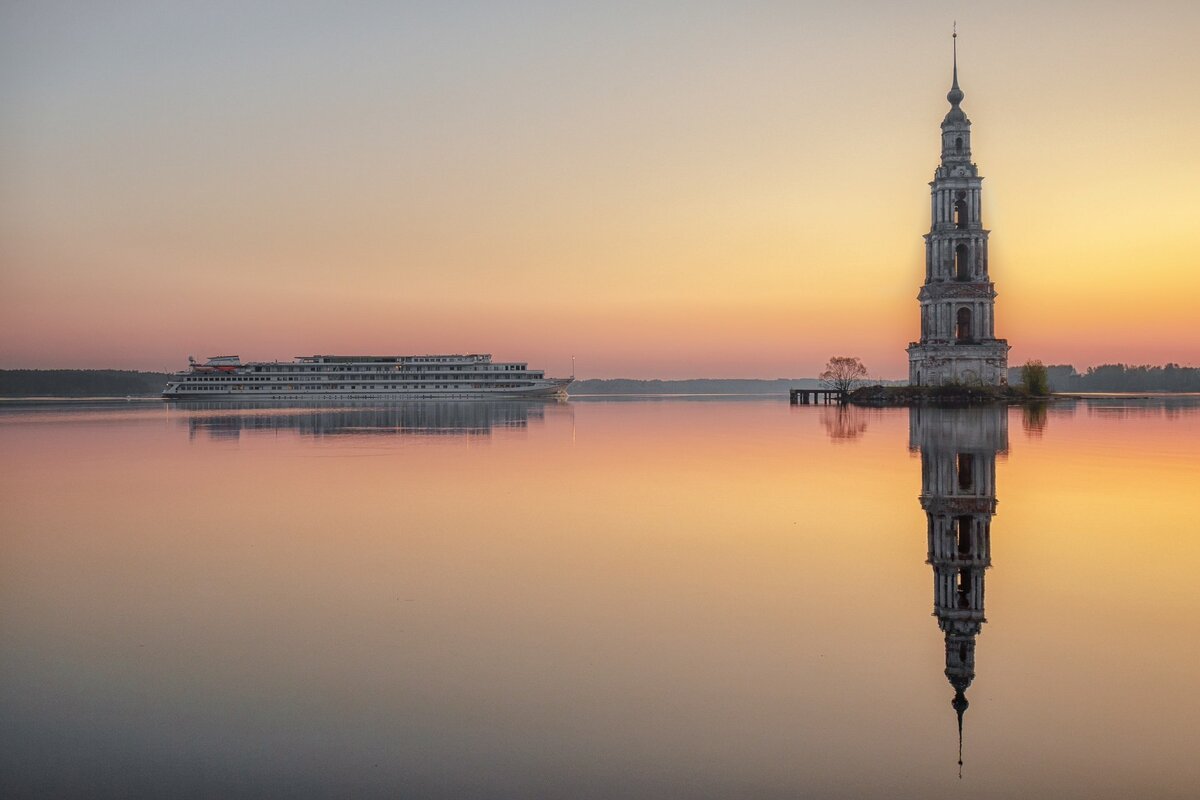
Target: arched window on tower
962,535
958,145
962,263
960,214
966,469
963,331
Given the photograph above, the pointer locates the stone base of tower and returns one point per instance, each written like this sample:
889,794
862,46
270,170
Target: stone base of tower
938,364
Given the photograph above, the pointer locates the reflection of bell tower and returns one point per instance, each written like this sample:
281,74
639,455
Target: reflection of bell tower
958,493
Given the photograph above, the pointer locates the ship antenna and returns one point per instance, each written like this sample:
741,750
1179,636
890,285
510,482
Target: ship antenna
572,367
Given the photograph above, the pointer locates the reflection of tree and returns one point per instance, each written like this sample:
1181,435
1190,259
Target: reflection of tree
1033,419
844,423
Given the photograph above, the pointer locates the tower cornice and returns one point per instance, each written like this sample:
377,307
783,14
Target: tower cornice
958,290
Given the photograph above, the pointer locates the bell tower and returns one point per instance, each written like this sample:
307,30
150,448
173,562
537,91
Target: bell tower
958,338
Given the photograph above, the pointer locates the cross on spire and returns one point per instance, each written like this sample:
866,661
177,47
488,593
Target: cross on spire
954,45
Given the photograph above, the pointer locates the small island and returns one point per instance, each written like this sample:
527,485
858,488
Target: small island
946,395
847,376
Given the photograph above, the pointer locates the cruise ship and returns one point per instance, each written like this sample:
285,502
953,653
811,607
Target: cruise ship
456,377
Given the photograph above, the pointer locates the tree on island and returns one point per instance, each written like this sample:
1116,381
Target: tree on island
1035,379
843,373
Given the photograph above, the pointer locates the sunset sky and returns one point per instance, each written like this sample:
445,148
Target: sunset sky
685,189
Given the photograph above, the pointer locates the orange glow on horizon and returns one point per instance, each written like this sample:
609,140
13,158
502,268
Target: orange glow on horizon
743,197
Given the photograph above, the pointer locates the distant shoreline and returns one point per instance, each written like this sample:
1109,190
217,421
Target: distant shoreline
144,399
94,384
692,386
80,383
128,383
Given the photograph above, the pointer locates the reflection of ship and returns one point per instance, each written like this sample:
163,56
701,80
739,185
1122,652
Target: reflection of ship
455,377
958,492
447,418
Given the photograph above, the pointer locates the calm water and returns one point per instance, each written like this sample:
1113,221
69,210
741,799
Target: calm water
599,599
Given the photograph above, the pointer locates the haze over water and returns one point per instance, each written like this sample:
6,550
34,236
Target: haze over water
673,598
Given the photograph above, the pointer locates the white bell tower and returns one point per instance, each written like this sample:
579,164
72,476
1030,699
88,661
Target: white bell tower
958,337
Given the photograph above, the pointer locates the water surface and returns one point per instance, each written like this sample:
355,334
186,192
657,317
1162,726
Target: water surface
682,598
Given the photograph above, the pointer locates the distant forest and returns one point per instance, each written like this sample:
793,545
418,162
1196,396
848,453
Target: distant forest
1063,378
1119,378
693,386
79,382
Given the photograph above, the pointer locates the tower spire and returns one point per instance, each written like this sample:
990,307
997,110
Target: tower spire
960,706
955,95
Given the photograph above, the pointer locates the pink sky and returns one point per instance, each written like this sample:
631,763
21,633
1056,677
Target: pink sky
680,192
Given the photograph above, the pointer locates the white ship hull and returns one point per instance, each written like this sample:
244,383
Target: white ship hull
369,378
553,390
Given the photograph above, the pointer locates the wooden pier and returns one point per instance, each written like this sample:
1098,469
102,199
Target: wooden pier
806,397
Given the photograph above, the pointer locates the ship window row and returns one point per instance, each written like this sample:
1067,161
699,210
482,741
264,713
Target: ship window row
363,377
444,359
372,378
385,370
326,368
339,386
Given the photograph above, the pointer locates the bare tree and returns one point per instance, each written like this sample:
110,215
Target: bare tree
843,373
